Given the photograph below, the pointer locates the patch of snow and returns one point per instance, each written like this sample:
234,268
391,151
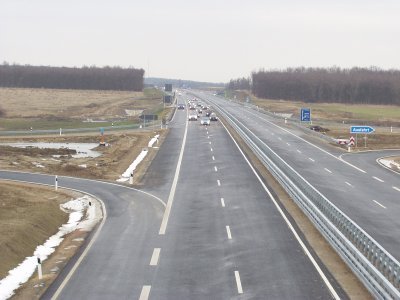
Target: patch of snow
389,163
38,165
24,271
83,166
153,140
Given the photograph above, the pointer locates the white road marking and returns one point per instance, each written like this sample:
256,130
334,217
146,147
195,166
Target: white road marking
396,188
211,149
311,159
288,144
298,151
296,235
376,178
213,158
279,138
222,202
145,293
272,133
329,171
228,232
167,211
238,282
219,182
209,143
155,256
215,168
379,204
208,136
349,184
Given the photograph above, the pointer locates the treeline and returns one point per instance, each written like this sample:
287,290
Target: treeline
356,85
90,78
239,84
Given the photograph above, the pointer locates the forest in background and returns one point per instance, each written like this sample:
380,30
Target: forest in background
89,78
324,85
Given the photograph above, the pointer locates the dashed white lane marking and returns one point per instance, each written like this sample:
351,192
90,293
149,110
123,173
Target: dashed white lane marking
376,178
219,182
228,232
208,136
279,138
311,159
272,133
212,150
329,171
213,158
238,282
288,144
155,256
349,184
215,168
145,293
396,188
209,143
379,204
298,151
222,202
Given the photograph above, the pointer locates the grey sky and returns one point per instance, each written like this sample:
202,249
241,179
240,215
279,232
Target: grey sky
201,40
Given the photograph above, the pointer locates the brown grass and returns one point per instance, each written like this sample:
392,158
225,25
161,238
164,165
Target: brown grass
29,214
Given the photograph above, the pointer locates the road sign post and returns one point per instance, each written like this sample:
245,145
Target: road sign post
305,115
363,130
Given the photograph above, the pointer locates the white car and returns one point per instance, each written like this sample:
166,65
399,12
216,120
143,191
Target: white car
192,116
205,121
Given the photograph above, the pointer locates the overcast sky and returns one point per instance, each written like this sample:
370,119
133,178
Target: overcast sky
207,40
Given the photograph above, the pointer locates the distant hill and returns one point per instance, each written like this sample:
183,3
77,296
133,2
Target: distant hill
180,83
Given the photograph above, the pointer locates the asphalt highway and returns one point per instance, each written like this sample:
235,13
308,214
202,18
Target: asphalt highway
203,227
368,193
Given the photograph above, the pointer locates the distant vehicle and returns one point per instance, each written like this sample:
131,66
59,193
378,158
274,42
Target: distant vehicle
205,121
213,117
208,113
192,107
318,128
181,106
192,116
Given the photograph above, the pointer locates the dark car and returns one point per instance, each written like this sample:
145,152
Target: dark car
181,106
213,117
318,128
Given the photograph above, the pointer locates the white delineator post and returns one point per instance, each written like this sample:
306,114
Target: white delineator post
60,131
131,179
56,183
40,274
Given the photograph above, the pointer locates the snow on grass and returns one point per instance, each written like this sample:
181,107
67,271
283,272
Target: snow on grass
77,209
153,140
126,175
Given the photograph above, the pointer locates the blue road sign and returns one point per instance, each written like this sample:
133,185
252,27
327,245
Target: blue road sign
361,129
305,114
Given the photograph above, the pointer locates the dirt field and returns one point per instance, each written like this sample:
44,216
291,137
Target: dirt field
53,109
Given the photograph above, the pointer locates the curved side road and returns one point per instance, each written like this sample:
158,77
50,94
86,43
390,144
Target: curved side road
118,257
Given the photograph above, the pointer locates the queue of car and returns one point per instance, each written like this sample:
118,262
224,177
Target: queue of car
199,110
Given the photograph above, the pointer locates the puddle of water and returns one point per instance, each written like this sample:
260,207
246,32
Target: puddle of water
82,149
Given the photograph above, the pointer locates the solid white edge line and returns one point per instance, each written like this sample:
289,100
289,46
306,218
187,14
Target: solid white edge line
228,232
378,179
329,171
238,282
222,202
155,256
145,293
379,204
167,212
305,249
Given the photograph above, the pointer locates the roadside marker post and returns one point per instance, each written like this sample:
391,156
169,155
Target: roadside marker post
131,179
40,274
56,183
60,131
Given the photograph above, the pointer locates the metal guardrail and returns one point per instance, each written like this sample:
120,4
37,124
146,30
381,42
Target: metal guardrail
375,267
